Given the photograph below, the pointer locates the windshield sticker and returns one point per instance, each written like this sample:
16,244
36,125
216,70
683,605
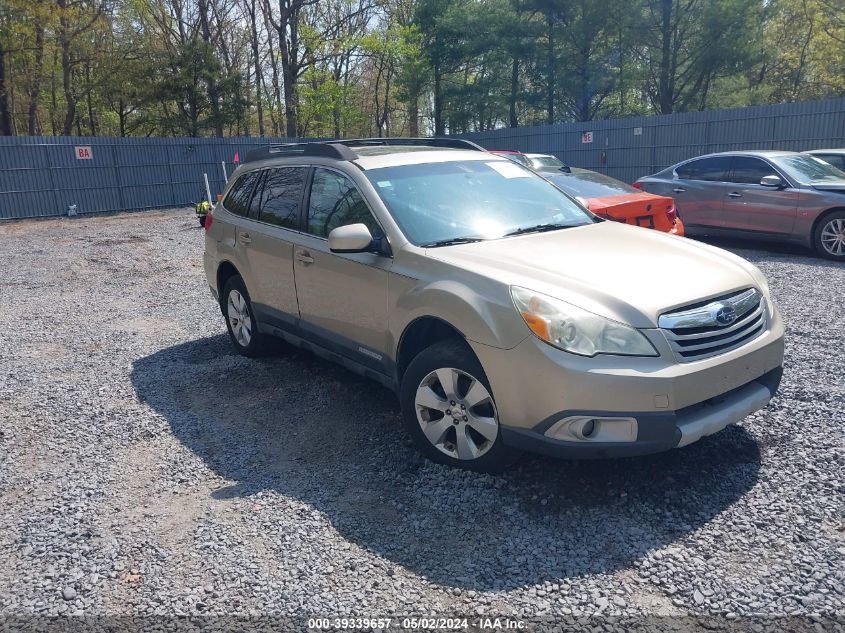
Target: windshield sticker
384,183
509,170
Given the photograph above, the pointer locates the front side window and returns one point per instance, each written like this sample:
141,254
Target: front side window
750,170
334,202
239,196
281,196
472,200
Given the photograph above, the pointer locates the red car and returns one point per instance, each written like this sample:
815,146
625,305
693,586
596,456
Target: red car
614,200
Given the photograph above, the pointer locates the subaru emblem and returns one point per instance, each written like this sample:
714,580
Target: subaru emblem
725,315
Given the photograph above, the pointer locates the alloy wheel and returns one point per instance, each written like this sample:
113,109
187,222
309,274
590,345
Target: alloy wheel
456,413
239,319
833,237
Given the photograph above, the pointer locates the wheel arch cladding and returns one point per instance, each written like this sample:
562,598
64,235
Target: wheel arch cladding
225,271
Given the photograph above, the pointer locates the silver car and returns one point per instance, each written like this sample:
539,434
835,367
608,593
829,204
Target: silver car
504,314
772,195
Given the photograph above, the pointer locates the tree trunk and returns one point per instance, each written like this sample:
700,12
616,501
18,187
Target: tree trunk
32,115
213,90
439,128
288,81
91,125
514,92
5,115
550,71
257,58
413,116
67,70
664,90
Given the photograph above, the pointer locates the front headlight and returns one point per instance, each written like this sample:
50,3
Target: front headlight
574,330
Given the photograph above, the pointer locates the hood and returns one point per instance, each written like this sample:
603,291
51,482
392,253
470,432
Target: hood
621,272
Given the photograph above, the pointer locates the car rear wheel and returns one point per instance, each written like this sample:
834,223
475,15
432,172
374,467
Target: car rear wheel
240,319
830,236
449,410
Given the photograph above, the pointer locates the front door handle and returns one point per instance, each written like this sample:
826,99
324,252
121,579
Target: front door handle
678,190
244,238
304,257
734,194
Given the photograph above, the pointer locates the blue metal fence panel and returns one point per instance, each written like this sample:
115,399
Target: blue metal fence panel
42,176
663,140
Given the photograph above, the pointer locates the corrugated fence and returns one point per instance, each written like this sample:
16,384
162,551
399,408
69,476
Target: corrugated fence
44,176
630,148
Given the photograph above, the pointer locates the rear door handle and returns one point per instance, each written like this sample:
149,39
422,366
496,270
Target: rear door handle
304,257
678,190
734,194
244,238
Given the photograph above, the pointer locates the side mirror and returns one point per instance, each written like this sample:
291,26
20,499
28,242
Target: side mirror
352,238
771,181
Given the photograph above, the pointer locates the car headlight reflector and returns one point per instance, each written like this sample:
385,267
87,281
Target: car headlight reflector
575,330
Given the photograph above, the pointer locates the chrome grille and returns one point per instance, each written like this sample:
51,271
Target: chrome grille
716,326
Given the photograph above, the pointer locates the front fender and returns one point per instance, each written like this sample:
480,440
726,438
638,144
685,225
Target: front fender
482,311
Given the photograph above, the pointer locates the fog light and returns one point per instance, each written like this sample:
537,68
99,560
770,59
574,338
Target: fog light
587,428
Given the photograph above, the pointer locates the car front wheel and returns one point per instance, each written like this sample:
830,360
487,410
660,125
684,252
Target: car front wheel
830,236
449,410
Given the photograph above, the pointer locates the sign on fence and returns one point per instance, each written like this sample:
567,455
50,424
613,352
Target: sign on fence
587,137
84,153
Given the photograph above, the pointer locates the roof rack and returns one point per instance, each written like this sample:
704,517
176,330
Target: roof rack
435,141
341,149
277,150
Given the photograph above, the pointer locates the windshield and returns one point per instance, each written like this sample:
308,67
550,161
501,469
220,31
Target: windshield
809,169
459,200
546,161
591,184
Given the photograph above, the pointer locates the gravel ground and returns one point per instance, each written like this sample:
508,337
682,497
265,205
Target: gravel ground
145,469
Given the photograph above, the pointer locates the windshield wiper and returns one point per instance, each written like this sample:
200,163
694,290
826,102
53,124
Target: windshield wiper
451,242
540,228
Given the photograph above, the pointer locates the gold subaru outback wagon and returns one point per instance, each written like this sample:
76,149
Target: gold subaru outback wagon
505,315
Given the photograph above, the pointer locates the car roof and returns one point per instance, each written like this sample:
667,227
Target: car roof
760,153
541,156
826,151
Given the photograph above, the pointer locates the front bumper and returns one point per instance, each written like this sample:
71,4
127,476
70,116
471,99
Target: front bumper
657,431
674,404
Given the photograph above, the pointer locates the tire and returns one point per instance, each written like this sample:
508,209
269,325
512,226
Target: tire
453,438
829,236
240,319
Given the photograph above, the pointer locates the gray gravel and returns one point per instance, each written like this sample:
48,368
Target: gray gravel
147,469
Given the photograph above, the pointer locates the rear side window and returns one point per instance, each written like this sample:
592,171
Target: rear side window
334,202
750,170
711,169
238,198
281,196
